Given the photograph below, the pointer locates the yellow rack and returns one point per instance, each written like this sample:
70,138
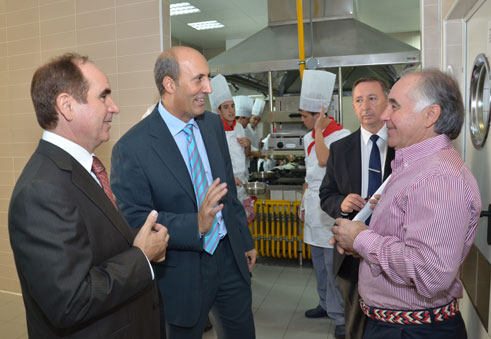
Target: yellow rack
277,231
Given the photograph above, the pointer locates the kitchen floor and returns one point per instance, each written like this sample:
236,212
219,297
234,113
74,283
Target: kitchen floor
281,290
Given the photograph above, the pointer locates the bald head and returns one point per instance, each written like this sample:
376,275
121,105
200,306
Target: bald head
168,64
182,77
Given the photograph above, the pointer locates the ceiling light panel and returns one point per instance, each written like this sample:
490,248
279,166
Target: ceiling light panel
200,26
182,8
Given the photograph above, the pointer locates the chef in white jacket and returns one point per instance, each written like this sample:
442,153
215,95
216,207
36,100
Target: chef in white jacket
315,97
254,128
222,103
254,132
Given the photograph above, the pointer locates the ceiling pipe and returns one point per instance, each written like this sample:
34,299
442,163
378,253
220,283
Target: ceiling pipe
301,48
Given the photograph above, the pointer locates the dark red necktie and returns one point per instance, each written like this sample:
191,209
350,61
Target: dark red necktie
100,173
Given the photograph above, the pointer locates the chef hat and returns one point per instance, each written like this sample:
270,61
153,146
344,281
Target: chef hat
258,107
243,106
221,92
316,90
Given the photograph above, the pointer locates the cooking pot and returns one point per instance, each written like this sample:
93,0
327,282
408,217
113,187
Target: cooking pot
262,175
256,188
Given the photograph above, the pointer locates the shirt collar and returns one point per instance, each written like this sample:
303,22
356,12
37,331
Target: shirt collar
382,133
75,150
410,154
174,124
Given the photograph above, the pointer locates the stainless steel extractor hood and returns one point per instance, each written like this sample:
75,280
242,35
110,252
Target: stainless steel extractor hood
339,41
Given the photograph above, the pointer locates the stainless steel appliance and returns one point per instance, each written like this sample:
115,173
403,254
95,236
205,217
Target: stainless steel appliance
287,128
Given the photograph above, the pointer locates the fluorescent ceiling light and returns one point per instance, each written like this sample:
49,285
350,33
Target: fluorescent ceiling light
206,25
182,8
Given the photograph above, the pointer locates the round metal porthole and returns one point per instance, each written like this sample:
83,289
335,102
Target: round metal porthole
480,98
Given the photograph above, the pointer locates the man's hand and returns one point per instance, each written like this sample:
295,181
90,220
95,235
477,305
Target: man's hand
345,232
237,181
244,142
352,202
320,120
152,238
301,214
374,201
209,207
251,257
341,250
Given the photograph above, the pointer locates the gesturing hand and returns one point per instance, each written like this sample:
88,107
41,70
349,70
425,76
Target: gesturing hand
152,238
210,207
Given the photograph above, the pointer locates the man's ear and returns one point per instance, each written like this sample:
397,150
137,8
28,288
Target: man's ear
169,84
432,113
64,105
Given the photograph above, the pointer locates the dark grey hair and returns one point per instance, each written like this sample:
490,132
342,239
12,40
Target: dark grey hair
436,87
166,65
381,82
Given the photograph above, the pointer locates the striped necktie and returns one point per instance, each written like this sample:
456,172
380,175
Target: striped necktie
200,183
100,172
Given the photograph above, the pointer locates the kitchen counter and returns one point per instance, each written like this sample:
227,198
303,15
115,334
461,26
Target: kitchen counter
283,192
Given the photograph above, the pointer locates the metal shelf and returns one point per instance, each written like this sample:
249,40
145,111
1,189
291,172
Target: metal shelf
288,152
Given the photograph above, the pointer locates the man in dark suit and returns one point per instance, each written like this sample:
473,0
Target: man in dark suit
155,167
345,185
83,272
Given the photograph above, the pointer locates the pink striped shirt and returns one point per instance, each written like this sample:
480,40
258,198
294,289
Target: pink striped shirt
421,230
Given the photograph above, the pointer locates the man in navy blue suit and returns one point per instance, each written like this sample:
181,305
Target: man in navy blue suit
151,171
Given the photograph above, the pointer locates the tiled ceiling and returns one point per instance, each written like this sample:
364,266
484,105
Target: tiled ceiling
243,18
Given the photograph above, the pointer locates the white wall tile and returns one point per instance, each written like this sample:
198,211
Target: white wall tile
430,14
453,32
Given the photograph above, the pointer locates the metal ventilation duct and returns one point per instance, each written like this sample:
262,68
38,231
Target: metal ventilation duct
339,41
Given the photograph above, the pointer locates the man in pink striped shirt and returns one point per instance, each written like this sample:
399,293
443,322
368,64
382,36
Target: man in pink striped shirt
425,221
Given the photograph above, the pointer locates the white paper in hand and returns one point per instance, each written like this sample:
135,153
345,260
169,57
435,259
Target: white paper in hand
366,211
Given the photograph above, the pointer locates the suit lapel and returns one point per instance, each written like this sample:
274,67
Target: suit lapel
355,162
168,152
86,183
210,140
388,159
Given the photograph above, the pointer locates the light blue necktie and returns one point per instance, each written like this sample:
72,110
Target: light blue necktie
198,176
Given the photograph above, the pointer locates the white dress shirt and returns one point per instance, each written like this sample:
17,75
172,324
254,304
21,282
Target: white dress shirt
366,149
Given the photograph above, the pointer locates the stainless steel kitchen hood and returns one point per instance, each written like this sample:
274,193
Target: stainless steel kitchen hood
339,41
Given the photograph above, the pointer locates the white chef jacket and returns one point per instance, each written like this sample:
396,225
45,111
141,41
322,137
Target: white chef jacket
237,152
252,135
318,224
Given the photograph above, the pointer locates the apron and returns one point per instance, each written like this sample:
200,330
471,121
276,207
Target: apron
237,155
252,135
318,224
237,152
